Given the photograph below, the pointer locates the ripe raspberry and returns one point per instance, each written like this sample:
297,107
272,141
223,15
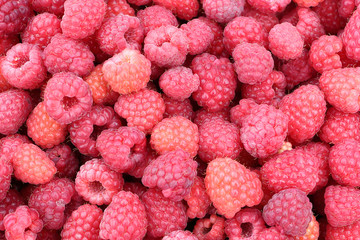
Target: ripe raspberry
243,29
349,38
217,82
134,187
156,16
342,205
23,66
247,223
164,216
308,3
50,200
328,13
32,165
178,108
268,20
223,11
24,223
348,232
15,15
166,46
66,162
5,176
306,108
4,85
142,160
127,72
272,234
140,2
175,133
341,88
116,7
292,220
240,111
225,176
312,232
83,223
201,116
9,204
120,147
43,130
64,54
41,29
267,6
52,6
186,9
210,228
180,235
67,97
9,144
346,8
8,42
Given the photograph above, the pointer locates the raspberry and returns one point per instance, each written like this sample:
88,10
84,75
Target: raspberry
247,223
351,30
225,176
166,46
9,144
120,147
52,6
210,228
32,165
267,6
135,187
186,9
223,11
312,232
4,85
143,109
65,160
43,130
201,116
243,29
264,130
268,20
328,13
346,8
127,72
64,54
292,220
285,48
5,176
24,223
83,223
175,133
116,7
81,18
178,108
308,3
9,204
8,42
139,2
41,29
15,15
240,111
50,200
120,32
306,109
342,205
272,234
323,53
253,63
67,97
23,66
217,82
156,16
142,160
348,232
164,216
341,88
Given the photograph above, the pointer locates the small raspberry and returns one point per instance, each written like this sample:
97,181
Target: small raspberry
312,232
52,6
240,111
66,162
348,232
180,235
15,15
268,20
201,116
127,72
349,38
67,97
8,42
64,54
328,13
9,144
223,11
116,7
211,228
5,176
268,6
185,9
178,108
9,204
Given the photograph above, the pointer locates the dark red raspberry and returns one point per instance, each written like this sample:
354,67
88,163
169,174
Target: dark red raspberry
210,228
9,204
15,15
183,9
8,42
5,176
240,111
201,116
268,20
116,7
347,232
66,162
64,54
328,13
349,38
9,144
268,6
180,235
134,187
223,11
178,108
52,6
47,234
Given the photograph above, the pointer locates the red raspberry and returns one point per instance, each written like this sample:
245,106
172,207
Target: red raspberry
306,108
183,9
253,63
216,46
175,133
116,7
142,160
64,54
217,82
342,205
175,184
308,3
178,108
67,97
32,165
272,233
134,187
156,16
240,111
180,235
312,232
139,2
323,55
6,171
83,223
23,66
65,160
225,176
341,88
166,46
350,34
8,205
264,130
223,11
8,42
24,223
127,72
52,6
4,85
125,217
211,228
94,46
164,216
41,29
296,168
143,109
15,15
285,48
9,144
268,6
328,13
120,147
292,220
120,32
247,223
201,116
50,200
348,232
268,20
81,18
43,130
243,29
346,8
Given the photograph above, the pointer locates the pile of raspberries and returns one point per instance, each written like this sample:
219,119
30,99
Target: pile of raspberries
179,119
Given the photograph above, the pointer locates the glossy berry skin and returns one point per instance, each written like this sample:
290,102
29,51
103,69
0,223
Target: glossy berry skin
9,144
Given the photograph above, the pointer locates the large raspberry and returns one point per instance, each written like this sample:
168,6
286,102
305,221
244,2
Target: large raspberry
198,201
223,11
9,204
210,228
52,6
66,163
183,9
349,37
14,16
